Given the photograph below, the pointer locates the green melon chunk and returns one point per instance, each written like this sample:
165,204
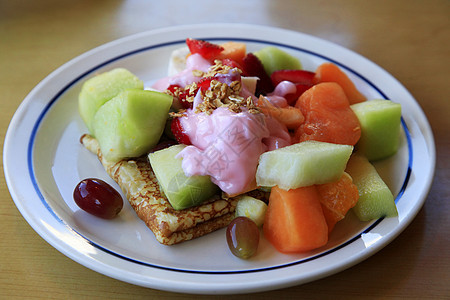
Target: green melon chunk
181,191
97,90
251,208
274,59
380,128
375,198
131,123
302,164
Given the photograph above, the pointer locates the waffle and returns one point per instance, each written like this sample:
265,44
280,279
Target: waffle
138,182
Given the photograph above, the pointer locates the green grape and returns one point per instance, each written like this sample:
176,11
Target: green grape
242,237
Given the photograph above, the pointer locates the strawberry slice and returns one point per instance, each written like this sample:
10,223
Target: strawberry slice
301,88
302,79
205,83
231,63
179,133
294,76
206,49
252,66
181,94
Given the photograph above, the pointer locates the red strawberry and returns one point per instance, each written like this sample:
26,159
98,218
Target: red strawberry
301,88
302,79
179,133
173,87
206,49
231,63
252,66
181,94
294,76
204,83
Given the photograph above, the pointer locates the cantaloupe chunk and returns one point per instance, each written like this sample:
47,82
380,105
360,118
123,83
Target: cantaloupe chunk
294,220
329,72
337,198
290,116
328,116
235,51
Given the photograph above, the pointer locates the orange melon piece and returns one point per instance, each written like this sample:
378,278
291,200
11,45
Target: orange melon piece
329,72
294,220
233,50
290,116
337,198
328,116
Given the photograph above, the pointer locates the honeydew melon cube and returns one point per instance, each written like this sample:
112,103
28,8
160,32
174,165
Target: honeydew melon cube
274,58
251,208
302,164
375,199
181,191
131,123
380,128
101,88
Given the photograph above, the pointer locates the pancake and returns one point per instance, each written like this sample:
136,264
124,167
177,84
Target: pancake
138,182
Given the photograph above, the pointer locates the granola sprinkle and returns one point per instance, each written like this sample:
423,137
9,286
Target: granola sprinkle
175,114
219,94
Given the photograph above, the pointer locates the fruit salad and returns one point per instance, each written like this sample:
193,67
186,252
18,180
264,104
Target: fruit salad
228,121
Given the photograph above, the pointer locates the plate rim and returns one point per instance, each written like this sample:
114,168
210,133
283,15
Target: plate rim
116,42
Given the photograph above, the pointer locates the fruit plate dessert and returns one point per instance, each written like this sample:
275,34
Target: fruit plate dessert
44,160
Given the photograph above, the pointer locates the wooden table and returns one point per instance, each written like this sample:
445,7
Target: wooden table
410,39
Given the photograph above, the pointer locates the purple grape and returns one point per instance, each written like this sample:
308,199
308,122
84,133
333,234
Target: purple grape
98,198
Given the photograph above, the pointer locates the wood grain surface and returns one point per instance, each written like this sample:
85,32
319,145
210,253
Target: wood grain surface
408,38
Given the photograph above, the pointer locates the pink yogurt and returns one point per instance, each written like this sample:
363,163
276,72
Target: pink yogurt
185,77
227,145
277,97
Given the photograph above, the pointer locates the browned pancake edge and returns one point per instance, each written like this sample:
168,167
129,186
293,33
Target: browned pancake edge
137,180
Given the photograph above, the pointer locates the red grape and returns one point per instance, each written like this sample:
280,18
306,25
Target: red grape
98,198
242,237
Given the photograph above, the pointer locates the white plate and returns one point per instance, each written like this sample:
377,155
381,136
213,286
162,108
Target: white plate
43,161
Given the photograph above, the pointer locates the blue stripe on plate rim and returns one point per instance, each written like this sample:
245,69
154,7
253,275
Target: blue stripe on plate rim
110,252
